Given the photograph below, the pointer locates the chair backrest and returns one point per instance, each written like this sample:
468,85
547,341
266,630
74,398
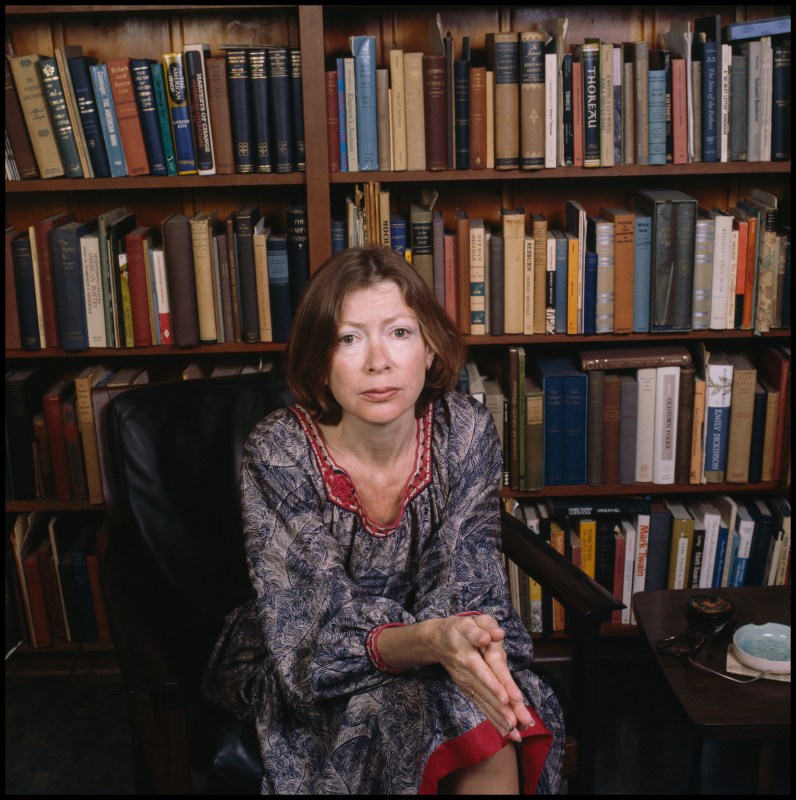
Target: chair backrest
173,454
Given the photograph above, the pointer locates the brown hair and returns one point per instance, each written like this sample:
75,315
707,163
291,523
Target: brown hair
313,336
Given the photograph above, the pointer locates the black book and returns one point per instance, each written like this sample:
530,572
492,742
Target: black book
243,225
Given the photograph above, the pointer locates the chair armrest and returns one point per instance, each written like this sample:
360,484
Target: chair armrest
576,591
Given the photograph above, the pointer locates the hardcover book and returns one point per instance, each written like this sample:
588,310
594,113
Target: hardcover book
126,107
146,100
195,57
259,85
109,124
55,95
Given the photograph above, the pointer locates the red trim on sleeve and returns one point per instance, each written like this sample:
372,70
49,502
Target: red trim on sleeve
482,742
372,649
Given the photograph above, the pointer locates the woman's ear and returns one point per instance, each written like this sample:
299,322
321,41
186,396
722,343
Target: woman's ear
429,357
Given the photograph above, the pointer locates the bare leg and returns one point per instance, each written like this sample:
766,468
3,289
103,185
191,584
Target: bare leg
495,775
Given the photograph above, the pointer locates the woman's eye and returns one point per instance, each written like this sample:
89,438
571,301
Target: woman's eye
346,338
401,333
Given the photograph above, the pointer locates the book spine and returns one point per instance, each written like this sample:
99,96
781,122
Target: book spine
415,112
108,121
244,231
505,58
260,93
657,116
606,85
350,117
628,429
137,272
79,68
685,421
717,420
684,221
241,115
74,449
141,74
780,102
332,120
163,116
642,272
434,98
739,85
22,260
128,120
181,282
703,274
568,111
710,99
62,125
199,107
383,116
478,123
279,286
667,391
297,109
641,81
281,114
591,99
83,591
69,292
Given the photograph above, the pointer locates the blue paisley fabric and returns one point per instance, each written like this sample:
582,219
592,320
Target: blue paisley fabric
330,719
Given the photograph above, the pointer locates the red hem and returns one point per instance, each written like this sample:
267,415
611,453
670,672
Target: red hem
482,742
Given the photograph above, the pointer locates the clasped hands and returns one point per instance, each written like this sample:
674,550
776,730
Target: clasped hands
471,650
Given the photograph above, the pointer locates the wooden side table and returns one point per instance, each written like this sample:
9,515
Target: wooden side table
713,707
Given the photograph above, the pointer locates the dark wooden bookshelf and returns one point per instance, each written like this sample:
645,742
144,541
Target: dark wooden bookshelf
321,32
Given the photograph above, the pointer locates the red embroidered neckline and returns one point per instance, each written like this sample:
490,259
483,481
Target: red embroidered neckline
340,489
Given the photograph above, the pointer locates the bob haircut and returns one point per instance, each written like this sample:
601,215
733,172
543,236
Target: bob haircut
313,337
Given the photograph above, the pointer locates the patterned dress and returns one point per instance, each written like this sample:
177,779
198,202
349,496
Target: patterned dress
302,658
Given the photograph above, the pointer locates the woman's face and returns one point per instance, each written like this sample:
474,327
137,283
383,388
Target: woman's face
379,367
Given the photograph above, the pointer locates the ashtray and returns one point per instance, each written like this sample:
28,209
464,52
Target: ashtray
765,648
709,608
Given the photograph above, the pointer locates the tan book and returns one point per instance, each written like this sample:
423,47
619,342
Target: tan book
384,119
463,270
121,83
261,234
770,430
502,54
624,262
681,544
513,238
85,380
540,272
697,435
415,116
607,154
25,72
744,379
201,241
478,118
557,534
220,123
398,108
534,435
532,99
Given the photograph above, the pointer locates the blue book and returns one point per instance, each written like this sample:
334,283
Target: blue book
297,108
561,282
164,119
642,273
565,390
76,558
765,535
461,100
590,294
240,110
398,233
656,110
67,269
180,113
341,115
721,555
758,430
62,124
707,53
363,49
279,285
754,29
195,64
25,289
718,376
260,93
281,113
108,121
658,546
89,114
338,236
141,73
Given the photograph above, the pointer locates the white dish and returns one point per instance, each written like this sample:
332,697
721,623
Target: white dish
765,648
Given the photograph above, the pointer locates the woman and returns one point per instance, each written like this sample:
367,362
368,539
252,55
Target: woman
381,654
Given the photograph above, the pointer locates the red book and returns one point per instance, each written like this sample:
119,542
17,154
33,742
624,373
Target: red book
44,256
435,112
93,564
74,447
51,402
679,112
124,100
32,538
451,274
138,244
332,120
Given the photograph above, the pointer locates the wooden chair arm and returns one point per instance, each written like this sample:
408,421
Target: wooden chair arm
576,591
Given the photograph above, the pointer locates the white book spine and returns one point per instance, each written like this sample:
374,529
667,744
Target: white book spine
349,73
712,522
724,138
753,99
550,313
642,544
37,287
645,423
630,567
92,290
667,390
720,284
766,90
551,110
528,285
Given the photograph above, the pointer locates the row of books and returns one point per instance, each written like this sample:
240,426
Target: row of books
531,101
634,544
651,415
54,425
668,265
109,282
68,115
52,578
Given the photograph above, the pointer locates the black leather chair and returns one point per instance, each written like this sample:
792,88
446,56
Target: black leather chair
175,567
